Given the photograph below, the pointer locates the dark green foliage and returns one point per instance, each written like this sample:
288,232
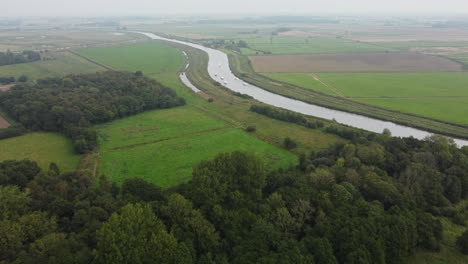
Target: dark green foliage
9,57
251,129
12,131
72,104
285,115
23,78
375,199
288,143
7,80
462,242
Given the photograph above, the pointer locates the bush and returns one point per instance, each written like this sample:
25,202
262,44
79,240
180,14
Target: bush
288,143
251,129
462,242
23,78
210,100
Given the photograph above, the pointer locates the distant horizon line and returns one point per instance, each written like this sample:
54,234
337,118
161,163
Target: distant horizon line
234,14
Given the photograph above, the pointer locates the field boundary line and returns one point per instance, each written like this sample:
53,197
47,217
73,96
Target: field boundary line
329,86
90,60
168,139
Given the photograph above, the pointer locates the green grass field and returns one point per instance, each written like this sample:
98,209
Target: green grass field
149,57
163,146
406,45
64,63
296,45
441,96
43,148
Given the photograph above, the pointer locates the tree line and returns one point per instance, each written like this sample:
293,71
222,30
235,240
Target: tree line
371,200
7,58
72,104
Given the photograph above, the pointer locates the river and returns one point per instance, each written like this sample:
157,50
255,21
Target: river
219,70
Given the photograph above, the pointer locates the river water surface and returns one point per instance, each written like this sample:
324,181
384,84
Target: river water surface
219,70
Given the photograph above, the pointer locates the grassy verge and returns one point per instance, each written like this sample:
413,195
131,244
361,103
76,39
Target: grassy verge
241,67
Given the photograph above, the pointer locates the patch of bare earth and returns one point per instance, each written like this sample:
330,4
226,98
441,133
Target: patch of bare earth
3,123
4,88
352,62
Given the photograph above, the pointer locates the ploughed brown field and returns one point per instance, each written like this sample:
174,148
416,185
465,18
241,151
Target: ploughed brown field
362,62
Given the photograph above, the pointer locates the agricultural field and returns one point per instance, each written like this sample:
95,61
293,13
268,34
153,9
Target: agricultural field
150,57
53,40
163,146
441,96
308,45
59,64
43,148
351,62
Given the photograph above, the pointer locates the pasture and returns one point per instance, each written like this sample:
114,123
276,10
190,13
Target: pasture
59,64
441,96
350,62
43,148
163,146
150,57
308,45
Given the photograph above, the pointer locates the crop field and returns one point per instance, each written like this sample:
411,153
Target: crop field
149,57
441,96
297,45
43,148
163,146
61,64
59,39
365,62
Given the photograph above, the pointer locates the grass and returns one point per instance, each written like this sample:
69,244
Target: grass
64,63
406,45
297,45
149,57
448,254
166,156
43,148
241,67
441,96
163,146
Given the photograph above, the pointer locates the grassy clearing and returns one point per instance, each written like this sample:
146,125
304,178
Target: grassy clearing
149,57
43,148
163,146
63,63
297,45
441,96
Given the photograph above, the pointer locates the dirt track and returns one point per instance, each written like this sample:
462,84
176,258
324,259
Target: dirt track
360,62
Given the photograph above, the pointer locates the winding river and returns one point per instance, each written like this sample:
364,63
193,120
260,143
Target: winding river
219,70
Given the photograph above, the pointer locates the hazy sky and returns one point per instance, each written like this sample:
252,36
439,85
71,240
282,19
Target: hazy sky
120,7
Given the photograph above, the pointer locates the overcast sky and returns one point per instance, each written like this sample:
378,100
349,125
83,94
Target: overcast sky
146,7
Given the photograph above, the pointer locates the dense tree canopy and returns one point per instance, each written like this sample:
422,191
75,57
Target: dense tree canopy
375,199
9,57
73,103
